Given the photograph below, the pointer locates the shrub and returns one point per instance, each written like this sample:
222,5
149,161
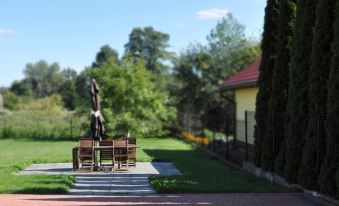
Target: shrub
11,100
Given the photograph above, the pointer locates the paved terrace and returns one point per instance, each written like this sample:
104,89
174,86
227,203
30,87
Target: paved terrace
229,199
107,183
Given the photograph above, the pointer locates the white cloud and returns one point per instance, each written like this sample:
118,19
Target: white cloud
212,13
6,31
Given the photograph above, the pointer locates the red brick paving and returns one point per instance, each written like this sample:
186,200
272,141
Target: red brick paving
234,199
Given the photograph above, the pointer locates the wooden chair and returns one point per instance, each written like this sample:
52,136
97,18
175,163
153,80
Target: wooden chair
107,154
121,154
86,153
132,152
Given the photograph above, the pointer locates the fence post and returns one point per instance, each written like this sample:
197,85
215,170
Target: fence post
71,126
273,142
317,141
246,140
226,133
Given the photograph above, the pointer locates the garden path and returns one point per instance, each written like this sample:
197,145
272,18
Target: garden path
107,183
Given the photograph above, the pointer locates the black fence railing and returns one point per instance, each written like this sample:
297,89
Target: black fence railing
235,143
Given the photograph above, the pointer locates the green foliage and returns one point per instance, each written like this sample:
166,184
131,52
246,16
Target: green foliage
105,53
229,49
213,135
279,92
69,95
83,84
22,88
42,79
268,48
11,101
135,105
297,106
201,69
149,44
320,67
329,168
42,119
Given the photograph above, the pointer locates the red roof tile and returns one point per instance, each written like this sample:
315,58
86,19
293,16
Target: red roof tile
248,75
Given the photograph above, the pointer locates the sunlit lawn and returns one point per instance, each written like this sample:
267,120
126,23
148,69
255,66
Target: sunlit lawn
16,155
201,173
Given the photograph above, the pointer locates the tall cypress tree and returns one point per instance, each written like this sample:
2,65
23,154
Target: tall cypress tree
268,47
330,166
279,91
320,66
297,106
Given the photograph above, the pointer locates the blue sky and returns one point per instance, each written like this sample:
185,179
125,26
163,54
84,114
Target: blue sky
71,32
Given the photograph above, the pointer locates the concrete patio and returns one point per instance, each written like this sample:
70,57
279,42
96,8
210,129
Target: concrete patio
105,182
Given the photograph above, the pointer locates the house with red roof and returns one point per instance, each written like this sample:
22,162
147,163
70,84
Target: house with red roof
244,85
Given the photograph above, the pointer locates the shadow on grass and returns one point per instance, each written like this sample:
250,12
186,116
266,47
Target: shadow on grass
42,190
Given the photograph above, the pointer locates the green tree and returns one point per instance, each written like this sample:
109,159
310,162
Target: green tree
320,67
82,87
68,94
268,49
22,88
151,45
45,79
297,106
201,69
229,49
105,53
279,93
11,101
68,89
330,166
134,104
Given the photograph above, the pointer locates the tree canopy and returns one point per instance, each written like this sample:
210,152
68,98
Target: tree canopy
133,104
150,45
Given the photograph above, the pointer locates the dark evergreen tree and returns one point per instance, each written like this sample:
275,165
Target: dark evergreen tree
320,66
330,166
268,46
297,106
278,101
105,53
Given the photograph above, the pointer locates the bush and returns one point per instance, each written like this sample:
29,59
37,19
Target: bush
11,101
43,119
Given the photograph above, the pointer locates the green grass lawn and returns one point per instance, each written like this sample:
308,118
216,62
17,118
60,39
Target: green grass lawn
201,173
18,154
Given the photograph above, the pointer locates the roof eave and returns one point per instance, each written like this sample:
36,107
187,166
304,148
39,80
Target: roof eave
241,85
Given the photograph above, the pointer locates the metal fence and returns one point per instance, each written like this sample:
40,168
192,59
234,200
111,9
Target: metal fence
235,143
